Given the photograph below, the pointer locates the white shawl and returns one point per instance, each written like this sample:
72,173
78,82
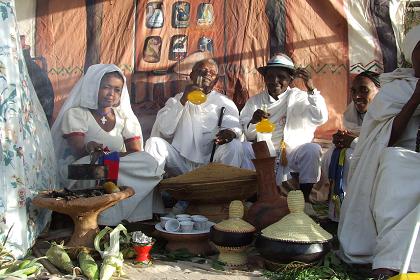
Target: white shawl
351,119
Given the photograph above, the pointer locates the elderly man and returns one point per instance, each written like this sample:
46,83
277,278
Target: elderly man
295,113
184,133
382,202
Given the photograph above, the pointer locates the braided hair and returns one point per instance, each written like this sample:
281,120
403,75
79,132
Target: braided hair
374,77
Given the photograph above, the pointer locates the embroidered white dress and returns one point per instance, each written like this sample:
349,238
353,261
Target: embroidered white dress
138,170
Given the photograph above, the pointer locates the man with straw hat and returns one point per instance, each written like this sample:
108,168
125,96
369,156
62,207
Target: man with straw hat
379,210
295,113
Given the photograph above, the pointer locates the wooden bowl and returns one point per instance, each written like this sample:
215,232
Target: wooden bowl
216,192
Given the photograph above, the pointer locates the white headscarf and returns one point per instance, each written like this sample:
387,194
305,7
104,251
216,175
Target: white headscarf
85,94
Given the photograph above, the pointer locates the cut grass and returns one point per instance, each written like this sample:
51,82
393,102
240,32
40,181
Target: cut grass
331,268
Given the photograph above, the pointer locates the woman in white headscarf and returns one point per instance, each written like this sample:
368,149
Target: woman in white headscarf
383,195
98,113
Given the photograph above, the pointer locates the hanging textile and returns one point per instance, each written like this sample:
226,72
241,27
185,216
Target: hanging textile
27,162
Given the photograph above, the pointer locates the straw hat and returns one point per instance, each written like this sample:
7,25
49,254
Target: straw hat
277,61
296,226
235,222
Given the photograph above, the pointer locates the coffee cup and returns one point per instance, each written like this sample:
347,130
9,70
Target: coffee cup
179,216
181,219
200,223
163,221
172,225
187,226
197,216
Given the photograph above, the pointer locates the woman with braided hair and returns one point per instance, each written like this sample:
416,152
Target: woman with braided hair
383,192
334,171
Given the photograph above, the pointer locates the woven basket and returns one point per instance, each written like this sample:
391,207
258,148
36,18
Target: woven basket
212,192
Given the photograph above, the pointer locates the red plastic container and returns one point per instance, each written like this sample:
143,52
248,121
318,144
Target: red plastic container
143,253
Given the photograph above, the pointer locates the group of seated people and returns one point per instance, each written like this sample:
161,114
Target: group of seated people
371,162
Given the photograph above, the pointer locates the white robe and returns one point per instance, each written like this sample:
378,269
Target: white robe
296,115
138,170
189,131
383,193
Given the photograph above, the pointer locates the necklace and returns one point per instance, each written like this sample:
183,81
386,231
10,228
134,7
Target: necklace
104,115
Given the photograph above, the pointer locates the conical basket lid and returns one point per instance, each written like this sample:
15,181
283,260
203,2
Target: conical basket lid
235,222
296,226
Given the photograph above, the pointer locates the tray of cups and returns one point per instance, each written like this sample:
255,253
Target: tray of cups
184,224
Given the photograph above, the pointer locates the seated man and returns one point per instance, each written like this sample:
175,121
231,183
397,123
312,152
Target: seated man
184,133
295,113
334,169
383,194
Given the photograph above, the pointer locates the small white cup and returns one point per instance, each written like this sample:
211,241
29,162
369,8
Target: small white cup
187,226
197,216
172,225
181,219
163,221
200,223
179,216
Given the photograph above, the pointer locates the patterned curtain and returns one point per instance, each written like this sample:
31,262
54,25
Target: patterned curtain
27,163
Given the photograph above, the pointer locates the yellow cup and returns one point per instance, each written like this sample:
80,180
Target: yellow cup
197,97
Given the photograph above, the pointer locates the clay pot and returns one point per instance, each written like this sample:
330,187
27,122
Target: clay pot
285,251
230,239
270,206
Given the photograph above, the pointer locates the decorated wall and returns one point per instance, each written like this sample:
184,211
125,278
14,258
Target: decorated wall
156,43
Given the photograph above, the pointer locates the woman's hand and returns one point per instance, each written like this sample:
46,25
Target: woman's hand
258,116
92,147
306,77
342,139
224,136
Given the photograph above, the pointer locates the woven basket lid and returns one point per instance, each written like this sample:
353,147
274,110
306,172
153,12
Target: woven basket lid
235,222
213,172
296,226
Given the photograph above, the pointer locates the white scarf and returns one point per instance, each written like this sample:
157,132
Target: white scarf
352,120
188,137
